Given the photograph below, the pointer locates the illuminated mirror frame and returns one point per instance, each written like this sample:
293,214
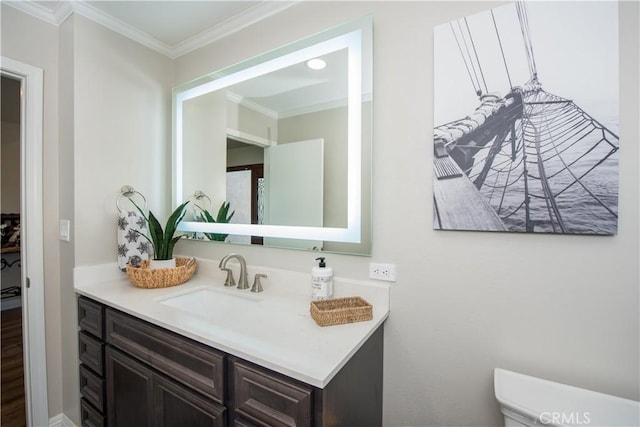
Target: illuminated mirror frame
353,42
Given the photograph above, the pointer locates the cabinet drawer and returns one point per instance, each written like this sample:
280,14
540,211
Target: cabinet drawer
91,317
91,352
89,416
188,362
266,398
92,387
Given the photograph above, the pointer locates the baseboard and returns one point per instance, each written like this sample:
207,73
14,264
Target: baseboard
61,420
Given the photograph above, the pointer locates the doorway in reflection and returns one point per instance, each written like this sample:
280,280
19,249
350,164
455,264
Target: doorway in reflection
245,187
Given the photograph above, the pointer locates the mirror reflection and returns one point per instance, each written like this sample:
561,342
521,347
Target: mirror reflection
277,151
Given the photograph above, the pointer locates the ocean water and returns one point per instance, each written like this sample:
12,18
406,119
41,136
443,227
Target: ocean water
580,206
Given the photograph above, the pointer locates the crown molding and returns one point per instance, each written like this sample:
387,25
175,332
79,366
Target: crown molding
84,9
62,12
34,9
234,24
298,111
241,100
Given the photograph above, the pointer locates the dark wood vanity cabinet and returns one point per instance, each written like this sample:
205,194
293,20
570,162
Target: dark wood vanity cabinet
133,373
91,355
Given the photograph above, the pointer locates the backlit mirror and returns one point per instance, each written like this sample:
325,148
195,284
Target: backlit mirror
276,150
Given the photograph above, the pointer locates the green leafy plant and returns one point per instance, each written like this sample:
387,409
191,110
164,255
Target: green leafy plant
163,240
223,217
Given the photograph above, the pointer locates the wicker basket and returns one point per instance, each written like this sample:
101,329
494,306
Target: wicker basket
144,277
341,310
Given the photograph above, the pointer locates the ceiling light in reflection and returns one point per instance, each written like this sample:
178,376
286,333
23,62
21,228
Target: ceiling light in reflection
316,64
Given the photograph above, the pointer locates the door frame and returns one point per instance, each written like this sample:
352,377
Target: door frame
32,247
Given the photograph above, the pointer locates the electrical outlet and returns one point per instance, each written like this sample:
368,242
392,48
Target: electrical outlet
382,271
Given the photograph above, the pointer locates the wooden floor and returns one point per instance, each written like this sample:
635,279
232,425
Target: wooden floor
12,413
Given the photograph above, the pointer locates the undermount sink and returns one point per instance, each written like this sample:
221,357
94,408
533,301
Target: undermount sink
208,301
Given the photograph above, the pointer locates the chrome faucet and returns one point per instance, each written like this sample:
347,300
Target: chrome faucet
257,286
243,282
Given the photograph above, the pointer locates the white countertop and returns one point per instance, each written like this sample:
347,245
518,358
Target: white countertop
272,329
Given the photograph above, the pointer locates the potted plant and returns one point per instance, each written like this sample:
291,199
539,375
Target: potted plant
223,217
163,240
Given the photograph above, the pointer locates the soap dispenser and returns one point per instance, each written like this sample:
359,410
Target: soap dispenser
321,281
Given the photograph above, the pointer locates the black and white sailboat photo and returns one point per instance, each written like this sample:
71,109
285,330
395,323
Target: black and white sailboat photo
526,119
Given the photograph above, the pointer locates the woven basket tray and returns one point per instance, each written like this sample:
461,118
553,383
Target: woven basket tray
144,277
337,311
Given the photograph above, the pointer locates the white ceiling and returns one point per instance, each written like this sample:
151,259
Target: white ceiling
173,28
173,22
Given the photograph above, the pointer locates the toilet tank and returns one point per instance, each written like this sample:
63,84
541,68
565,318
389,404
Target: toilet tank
530,401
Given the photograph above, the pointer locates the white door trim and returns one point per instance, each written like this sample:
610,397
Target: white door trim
32,255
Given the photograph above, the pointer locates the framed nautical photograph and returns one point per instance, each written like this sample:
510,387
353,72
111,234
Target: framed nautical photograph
526,119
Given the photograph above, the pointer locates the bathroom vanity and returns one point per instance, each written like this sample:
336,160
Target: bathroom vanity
146,361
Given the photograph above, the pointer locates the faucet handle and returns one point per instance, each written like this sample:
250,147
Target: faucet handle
257,286
229,281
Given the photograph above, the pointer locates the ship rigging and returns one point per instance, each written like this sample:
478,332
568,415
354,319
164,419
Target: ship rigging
526,161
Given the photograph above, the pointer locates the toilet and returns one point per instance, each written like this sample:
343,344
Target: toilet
530,401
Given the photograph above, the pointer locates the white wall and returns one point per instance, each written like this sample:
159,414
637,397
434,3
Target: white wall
70,394
122,133
205,148
247,120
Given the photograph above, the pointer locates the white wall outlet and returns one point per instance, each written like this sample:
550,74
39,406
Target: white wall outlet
382,271
65,230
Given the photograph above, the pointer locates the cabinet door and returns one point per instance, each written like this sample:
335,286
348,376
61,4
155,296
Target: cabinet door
177,406
264,398
129,391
